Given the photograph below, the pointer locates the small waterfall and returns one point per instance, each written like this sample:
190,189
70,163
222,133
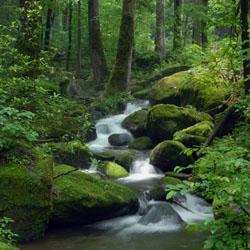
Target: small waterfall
113,125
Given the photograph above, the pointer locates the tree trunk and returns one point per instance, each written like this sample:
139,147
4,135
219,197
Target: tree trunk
177,44
160,41
79,39
48,29
204,38
121,72
97,56
29,35
245,42
68,60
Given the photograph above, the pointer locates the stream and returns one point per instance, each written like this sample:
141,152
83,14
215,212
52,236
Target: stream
157,225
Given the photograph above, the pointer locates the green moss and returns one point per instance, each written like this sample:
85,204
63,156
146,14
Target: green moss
169,154
136,123
194,135
7,246
26,195
123,157
166,119
82,198
113,170
141,143
142,94
167,89
73,153
170,180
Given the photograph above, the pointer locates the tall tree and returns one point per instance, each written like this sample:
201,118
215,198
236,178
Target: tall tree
177,42
204,38
121,73
160,41
79,39
48,28
97,56
244,6
68,59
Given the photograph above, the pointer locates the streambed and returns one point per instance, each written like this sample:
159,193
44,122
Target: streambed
157,225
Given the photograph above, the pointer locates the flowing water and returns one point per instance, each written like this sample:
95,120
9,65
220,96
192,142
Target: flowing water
157,225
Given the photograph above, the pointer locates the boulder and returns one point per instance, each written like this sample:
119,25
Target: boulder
141,143
119,139
26,194
170,180
124,158
73,153
169,154
113,170
167,89
136,123
166,119
183,89
81,198
194,135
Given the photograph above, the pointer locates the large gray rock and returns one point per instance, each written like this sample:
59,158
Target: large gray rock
119,139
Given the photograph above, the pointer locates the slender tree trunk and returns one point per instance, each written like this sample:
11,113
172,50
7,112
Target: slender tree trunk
48,29
204,38
68,60
177,43
79,39
121,73
97,56
160,41
245,42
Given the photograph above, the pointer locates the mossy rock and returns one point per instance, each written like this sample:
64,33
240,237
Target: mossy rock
166,119
73,153
168,180
136,123
25,191
180,89
7,246
180,176
113,170
141,143
167,89
124,158
169,154
81,198
194,135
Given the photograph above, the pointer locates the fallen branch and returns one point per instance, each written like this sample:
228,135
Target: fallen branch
65,173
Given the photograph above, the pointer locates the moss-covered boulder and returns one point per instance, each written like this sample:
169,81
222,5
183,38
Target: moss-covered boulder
167,89
7,246
180,176
194,135
113,170
169,154
124,158
166,119
136,123
141,143
25,191
81,198
183,89
73,153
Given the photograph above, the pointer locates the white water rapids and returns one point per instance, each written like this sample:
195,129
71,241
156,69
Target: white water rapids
153,216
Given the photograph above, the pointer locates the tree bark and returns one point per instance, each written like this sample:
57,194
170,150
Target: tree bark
121,72
160,41
245,42
177,44
97,55
204,38
68,59
48,29
79,39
